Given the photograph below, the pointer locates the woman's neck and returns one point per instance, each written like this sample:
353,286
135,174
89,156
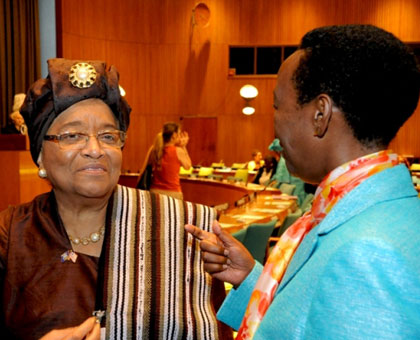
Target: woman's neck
81,219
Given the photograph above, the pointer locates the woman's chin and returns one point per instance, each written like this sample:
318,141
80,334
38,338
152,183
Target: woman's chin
94,190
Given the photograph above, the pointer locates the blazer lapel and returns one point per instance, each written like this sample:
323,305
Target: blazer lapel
387,185
303,253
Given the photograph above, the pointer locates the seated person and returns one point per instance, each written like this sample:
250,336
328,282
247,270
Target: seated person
267,171
18,123
90,245
257,161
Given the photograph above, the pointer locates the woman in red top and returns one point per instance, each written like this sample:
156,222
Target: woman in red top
167,155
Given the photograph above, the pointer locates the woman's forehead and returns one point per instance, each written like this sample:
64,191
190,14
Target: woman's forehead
84,113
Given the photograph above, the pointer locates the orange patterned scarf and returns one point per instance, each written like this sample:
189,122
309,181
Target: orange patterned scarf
333,187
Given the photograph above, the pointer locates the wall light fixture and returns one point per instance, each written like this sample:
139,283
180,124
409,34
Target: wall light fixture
248,92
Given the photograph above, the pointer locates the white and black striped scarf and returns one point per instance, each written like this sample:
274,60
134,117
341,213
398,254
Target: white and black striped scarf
154,284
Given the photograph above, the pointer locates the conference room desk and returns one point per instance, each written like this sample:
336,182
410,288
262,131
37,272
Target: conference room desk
229,172
268,203
266,207
213,192
243,204
203,190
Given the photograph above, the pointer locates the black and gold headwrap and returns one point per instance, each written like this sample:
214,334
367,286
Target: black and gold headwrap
69,82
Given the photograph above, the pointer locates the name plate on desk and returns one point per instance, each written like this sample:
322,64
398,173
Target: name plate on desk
12,142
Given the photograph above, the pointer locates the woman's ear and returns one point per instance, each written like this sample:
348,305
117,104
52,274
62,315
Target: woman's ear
39,160
322,116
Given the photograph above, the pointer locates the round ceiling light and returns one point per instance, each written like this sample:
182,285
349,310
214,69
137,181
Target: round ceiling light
248,110
248,91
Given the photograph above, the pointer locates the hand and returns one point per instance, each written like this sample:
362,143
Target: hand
225,258
183,139
88,330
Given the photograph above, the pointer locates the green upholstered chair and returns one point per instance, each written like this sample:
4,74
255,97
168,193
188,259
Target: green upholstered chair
256,237
240,235
241,175
415,167
307,203
205,172
217,165
238,166
215,177
184,172
287,188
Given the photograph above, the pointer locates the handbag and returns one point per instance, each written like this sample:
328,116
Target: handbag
145,180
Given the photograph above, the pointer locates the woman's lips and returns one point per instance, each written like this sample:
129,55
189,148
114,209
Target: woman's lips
97,168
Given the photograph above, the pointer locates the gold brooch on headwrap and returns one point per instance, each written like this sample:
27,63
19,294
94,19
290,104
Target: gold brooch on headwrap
82,75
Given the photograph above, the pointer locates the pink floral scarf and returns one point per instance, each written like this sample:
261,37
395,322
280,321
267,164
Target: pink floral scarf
333,187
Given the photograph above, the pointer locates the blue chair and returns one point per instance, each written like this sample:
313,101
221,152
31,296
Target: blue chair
255,238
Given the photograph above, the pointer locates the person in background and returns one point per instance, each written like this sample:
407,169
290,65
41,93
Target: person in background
168,153
350,267
18,124
267,171
257,161
283,175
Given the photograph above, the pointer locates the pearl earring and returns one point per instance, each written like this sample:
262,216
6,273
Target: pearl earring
42,173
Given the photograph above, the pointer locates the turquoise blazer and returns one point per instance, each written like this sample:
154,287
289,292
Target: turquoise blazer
354,276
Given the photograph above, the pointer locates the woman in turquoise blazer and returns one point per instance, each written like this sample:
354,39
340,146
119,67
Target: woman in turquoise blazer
340,99
355,276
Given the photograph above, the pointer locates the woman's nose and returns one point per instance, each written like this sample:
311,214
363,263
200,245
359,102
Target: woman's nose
93,148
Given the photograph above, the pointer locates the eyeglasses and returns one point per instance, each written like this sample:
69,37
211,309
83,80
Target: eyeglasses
78,140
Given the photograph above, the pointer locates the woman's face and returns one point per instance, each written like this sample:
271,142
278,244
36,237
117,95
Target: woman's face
94,170
17,119
175,137
293,126
258,157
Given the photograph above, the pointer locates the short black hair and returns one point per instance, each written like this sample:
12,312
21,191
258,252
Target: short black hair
369,73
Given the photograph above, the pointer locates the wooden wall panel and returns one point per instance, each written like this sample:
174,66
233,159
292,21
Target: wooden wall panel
19,180
9,179
170,68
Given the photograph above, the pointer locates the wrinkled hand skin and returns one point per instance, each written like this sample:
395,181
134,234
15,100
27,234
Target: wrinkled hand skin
224,257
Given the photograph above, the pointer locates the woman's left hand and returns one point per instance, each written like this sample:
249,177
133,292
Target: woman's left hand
224,257
183,139
88,330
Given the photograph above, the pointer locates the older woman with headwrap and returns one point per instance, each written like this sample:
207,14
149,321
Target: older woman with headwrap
91,246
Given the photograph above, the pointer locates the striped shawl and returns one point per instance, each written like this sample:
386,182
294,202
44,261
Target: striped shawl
154,285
